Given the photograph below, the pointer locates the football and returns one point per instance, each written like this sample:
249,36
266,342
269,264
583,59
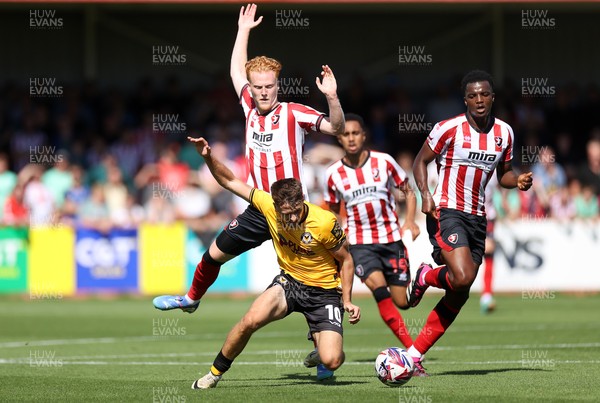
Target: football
394,366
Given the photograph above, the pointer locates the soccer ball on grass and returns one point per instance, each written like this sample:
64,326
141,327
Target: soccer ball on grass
394,366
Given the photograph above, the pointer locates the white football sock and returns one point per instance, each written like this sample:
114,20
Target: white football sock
189,300
413,352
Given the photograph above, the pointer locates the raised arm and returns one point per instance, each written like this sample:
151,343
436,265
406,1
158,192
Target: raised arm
239,55
343,256
328,86
425,156
221,173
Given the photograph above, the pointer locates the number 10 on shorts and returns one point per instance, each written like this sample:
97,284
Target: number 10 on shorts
334,313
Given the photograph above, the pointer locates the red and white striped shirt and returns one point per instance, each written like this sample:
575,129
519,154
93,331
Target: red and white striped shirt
465,160
275,141
370,205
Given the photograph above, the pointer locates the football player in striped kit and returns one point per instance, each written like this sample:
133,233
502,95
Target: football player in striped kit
364,180
275,133
468,149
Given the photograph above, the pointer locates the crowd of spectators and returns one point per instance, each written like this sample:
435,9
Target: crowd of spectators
97,157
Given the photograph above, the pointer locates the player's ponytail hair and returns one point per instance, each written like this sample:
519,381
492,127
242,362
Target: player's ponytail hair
287,191
262,63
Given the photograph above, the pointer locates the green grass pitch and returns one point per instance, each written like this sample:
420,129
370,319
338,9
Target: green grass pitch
536,347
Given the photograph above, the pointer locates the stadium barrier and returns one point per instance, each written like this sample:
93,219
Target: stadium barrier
531,257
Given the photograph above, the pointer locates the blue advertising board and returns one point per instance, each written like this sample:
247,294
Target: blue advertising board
106,262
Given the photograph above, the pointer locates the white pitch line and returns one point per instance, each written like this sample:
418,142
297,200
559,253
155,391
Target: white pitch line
59,363
221,336
288,356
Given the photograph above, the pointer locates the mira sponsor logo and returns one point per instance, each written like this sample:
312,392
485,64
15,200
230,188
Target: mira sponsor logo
537,87
364,190
44,19
413,123
262,140
168,123
167,55
414,55
478,156
291,19
537,19
292,87
41,87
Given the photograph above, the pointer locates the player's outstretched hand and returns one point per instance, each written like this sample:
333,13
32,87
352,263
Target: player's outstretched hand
327,85
524,181
201,145
246,19
354,312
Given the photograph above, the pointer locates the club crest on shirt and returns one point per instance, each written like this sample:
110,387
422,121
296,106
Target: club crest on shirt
275,119
359,270
233,224
306,238
498,141
375,173
337,231
453,238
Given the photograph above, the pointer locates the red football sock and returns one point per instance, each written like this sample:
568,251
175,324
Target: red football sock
487,274
438,278
438,321
390,315
205,275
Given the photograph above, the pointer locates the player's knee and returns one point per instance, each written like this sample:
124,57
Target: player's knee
462,280
333,361
250,324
